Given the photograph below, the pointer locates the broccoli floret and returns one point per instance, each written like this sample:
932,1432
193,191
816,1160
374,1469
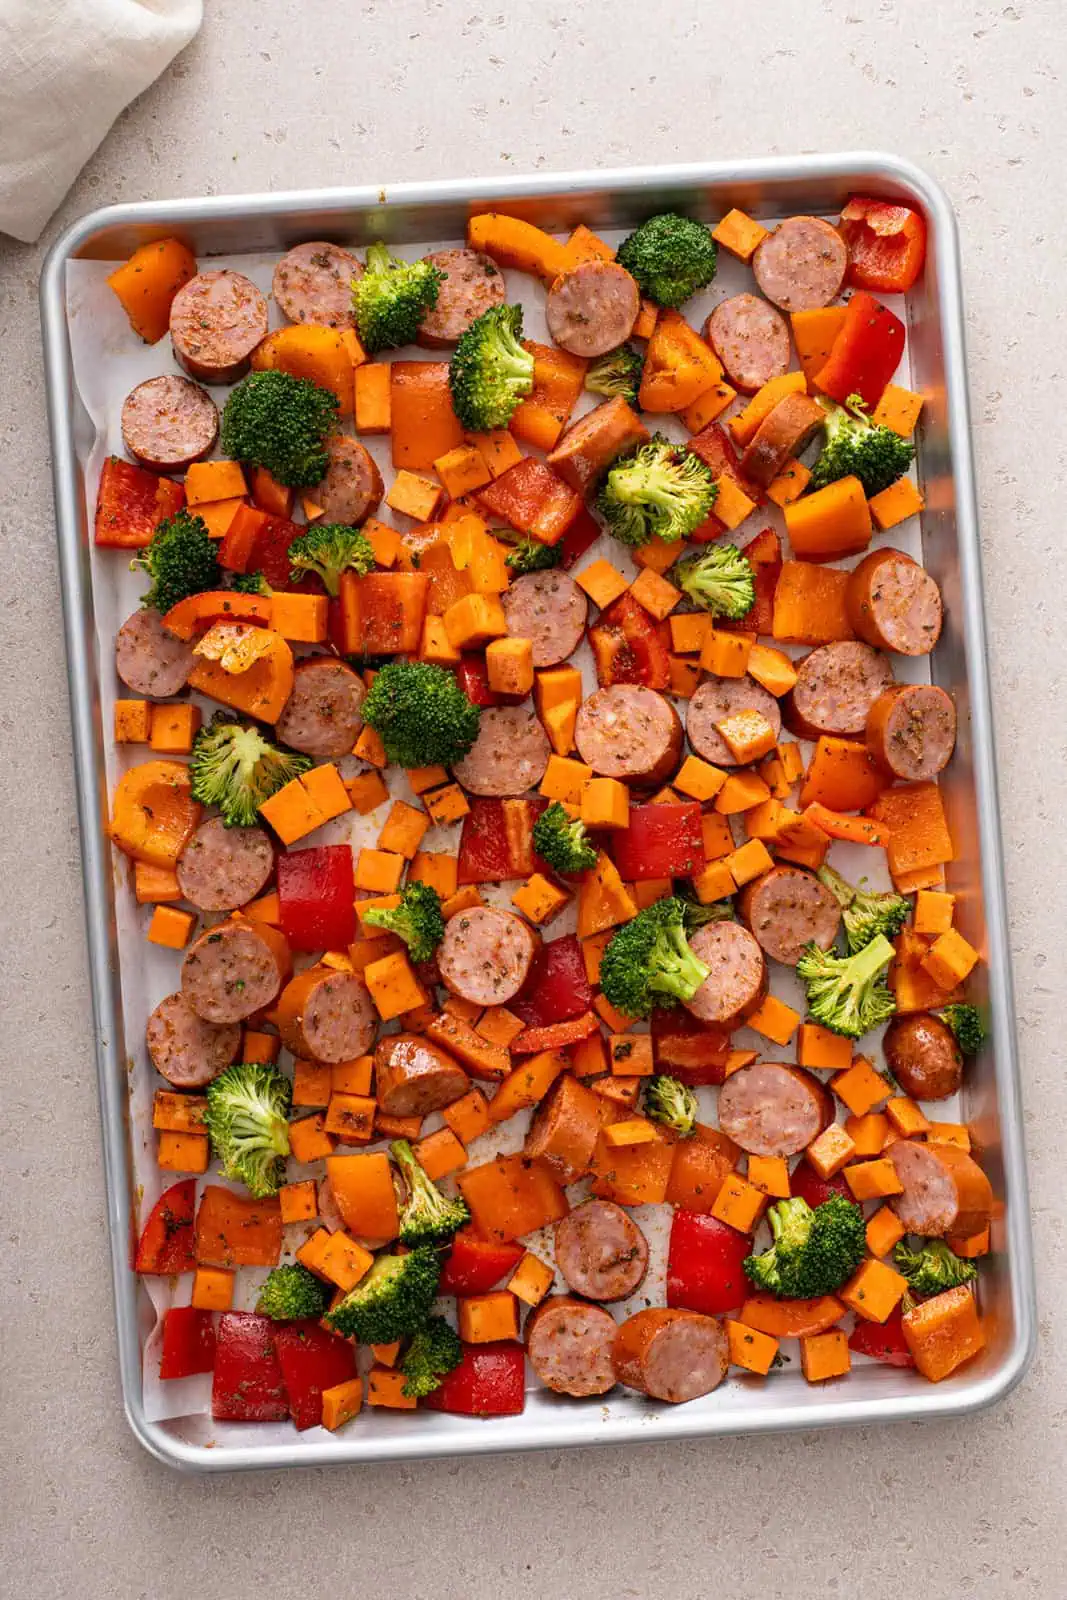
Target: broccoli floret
659,491
848,994
966,1026
698,916
617,373
562,840
327,550
427,1217
417,919
670,256
291,1293
236,768
393,1301
490,372
276,421
247,1108
181,560
250,583
719,580
671,1102
392,297
433,1353
421,713
866,913
814,1251
857,447
530,555
649,961
933,1268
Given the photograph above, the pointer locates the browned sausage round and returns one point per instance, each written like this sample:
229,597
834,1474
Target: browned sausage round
509,755
323,716
788,908
923,1056
600,1251
150,659
719,698
782,434
222,868
313,283
230,972
737,979
894,604
751,339
911,731
185,1049
168,423
216,321
592,309
945,1190
671,1355
837,684
773,1109
565,1127
485,955
472,285
591,444
549,609
629,732
326,1015
801,265
352,489
569,1345
414,1077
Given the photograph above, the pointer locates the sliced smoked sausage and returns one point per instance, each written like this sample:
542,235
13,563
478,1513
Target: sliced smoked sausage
911,731
150,659
216,321
565,1128
222,868
231,971
313,283
485,955
782,434
326,1015
923,1056
569,1345
894,604
737,979
591,444
414,1077
549,609
601,1253
945,1190
751,339
773,1109
788,908
472,284
801,265
352,488
593,308
185,1049
323,717
837,684
509,755
629,732
671,1355
169,422
719,698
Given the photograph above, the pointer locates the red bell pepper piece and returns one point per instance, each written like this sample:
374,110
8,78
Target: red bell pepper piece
764,553
383,612
715,448
582,534
490,1381
556,1036
806,1184
238,542
630,647
248,1384
556,987
188,1342
475,1265
886,244
533,500
687,1048
317,897
311,1360
660,842
883,1340
131,503
865,354
496,840
167,1243
704,1264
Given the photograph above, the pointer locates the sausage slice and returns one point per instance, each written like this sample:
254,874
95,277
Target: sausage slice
326,1015
923,1056
627,731
352,488
788,908
751,339
600,1251
911,731
593,308
414,1077
313,283
230,972
737,980
222,868
569,1345
323,717
509,755
784,433
549,609
837,684
472,285
719,698
168,423
894,604
216,321
591,444
485,955
671,1355
565,1127
801,265
185,1049
150,659
945,1190
773,1109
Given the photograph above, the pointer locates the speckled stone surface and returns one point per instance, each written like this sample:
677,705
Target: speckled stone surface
290,93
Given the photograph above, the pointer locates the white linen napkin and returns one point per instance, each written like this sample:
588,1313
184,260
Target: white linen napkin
67,68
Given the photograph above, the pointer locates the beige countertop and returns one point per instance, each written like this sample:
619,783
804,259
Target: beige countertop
297,93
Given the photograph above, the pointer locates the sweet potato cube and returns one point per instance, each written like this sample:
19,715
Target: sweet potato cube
299,1201
323,784
539,900
860,1087
385,1385
531,1280
509,663
726,654
739,234
468,1117
341,1403
475,620
379,871
393,986
950,959
403,830
605,803
170,927
603,583
884,1231
183,1152
750,1349
825,1355
873,1291
749,861
739,1203
774,1020
873,1180
308,1139
133,721
174,727
485,1318
770,1175
830,1151
440,1153
212,1289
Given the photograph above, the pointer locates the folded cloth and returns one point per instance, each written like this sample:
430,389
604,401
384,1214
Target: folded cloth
67,68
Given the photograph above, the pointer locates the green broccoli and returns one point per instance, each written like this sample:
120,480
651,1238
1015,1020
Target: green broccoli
719,580
659,491
698,916
433,1353
670,256
673,1103
327,549
246,1116
966,1026
530,555
649,961
393,1301
392,297
490,372
250,583
814,1251
617,373
421,713
848,994
562,840
933,1268
857,447
237,768
291,1293
181,560
417,919
866,913
276,421
427,1217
